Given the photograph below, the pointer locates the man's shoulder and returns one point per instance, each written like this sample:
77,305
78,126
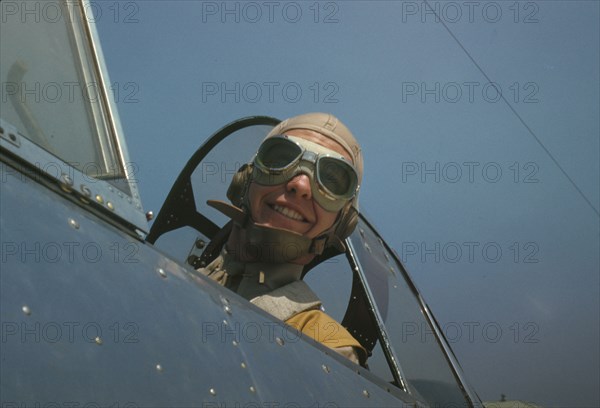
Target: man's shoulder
289,300
322,327
325,329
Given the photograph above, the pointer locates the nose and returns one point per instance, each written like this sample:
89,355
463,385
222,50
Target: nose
300,184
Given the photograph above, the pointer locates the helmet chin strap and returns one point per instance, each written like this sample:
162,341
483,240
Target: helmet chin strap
250,242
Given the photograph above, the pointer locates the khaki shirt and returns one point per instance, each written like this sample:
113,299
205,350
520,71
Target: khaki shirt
324,329
298,306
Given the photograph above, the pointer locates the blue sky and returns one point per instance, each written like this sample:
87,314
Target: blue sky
491,200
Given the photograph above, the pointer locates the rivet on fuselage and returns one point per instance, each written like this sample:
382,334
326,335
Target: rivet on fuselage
162,272
159,368
73,223
26,310
99,199
326,368
65,188
98,341
227,309
212,392
366,393
243,365
110,206
279,341
252,389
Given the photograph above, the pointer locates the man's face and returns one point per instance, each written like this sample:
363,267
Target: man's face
291,205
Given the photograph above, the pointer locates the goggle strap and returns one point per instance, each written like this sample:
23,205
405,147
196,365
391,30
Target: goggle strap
235,213
336,242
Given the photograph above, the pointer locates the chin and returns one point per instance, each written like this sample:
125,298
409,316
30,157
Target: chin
290,226
279,221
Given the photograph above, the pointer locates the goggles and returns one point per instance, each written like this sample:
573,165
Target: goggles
333,179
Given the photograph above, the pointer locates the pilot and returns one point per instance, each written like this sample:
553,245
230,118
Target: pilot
297,197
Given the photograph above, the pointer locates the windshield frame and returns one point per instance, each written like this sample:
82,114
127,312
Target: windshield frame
394,361
113,191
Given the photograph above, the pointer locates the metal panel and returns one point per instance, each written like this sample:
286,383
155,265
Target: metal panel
92,316
100,193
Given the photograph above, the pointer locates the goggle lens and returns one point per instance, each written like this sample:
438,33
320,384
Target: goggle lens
277,154
336,176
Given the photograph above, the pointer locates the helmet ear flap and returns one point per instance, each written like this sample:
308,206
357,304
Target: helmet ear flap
347,223
239,185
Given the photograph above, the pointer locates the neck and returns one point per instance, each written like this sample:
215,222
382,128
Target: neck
259,278
254,243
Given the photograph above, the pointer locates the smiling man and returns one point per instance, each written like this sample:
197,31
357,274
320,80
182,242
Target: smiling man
298,196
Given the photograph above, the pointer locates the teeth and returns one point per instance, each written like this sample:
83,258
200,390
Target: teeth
288,213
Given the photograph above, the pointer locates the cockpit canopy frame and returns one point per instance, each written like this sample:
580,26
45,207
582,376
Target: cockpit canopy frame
59,116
